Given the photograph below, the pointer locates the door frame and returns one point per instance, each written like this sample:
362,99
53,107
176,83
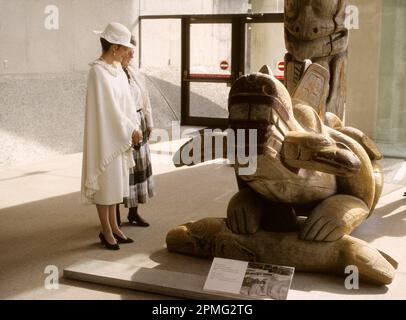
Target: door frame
238,47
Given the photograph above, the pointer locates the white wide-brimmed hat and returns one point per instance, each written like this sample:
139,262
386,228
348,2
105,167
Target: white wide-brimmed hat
116,33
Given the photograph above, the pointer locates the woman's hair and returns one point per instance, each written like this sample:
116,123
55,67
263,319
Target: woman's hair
105,45
133,42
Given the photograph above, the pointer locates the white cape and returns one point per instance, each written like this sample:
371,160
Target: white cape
110,120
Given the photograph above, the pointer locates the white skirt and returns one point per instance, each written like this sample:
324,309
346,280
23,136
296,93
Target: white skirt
113,183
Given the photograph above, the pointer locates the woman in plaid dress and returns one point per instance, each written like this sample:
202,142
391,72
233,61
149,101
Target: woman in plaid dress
141,179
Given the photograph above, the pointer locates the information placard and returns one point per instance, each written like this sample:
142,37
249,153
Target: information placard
249,279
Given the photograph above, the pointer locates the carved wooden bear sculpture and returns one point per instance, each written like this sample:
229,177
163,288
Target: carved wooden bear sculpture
314,183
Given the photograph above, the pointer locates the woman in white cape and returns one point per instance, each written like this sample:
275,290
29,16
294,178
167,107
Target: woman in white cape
111,131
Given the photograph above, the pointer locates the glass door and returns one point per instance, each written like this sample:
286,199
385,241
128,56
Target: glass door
265,45
207,71
216,51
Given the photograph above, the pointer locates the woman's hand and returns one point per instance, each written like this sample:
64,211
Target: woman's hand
136,137
149,131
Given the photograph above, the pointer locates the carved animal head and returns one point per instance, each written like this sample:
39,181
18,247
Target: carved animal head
313,151
260,101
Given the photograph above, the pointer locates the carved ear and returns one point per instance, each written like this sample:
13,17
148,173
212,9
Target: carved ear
313,88
266,70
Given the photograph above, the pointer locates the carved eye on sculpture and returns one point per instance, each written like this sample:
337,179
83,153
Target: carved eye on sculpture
292,8
269,89
326,8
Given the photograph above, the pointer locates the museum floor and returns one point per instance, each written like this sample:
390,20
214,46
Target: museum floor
43,223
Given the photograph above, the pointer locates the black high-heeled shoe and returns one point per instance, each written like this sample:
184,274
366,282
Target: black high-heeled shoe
108,246
135,219
122,240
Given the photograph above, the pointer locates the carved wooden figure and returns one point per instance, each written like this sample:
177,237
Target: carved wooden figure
315,30
314,183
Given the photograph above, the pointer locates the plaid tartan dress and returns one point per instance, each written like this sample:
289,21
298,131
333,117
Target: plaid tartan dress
141,179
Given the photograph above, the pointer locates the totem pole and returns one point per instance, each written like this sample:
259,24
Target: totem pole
315,30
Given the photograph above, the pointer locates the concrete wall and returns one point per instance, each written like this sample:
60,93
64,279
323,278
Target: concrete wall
391,126
43,73
29,47
363,67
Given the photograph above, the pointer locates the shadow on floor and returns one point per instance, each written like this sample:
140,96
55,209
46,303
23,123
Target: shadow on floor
388,220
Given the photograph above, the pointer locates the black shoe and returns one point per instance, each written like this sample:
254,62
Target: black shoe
136,220
108,245
122,240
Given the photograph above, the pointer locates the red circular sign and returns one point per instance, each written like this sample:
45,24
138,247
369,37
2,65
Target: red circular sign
224,65
281,65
